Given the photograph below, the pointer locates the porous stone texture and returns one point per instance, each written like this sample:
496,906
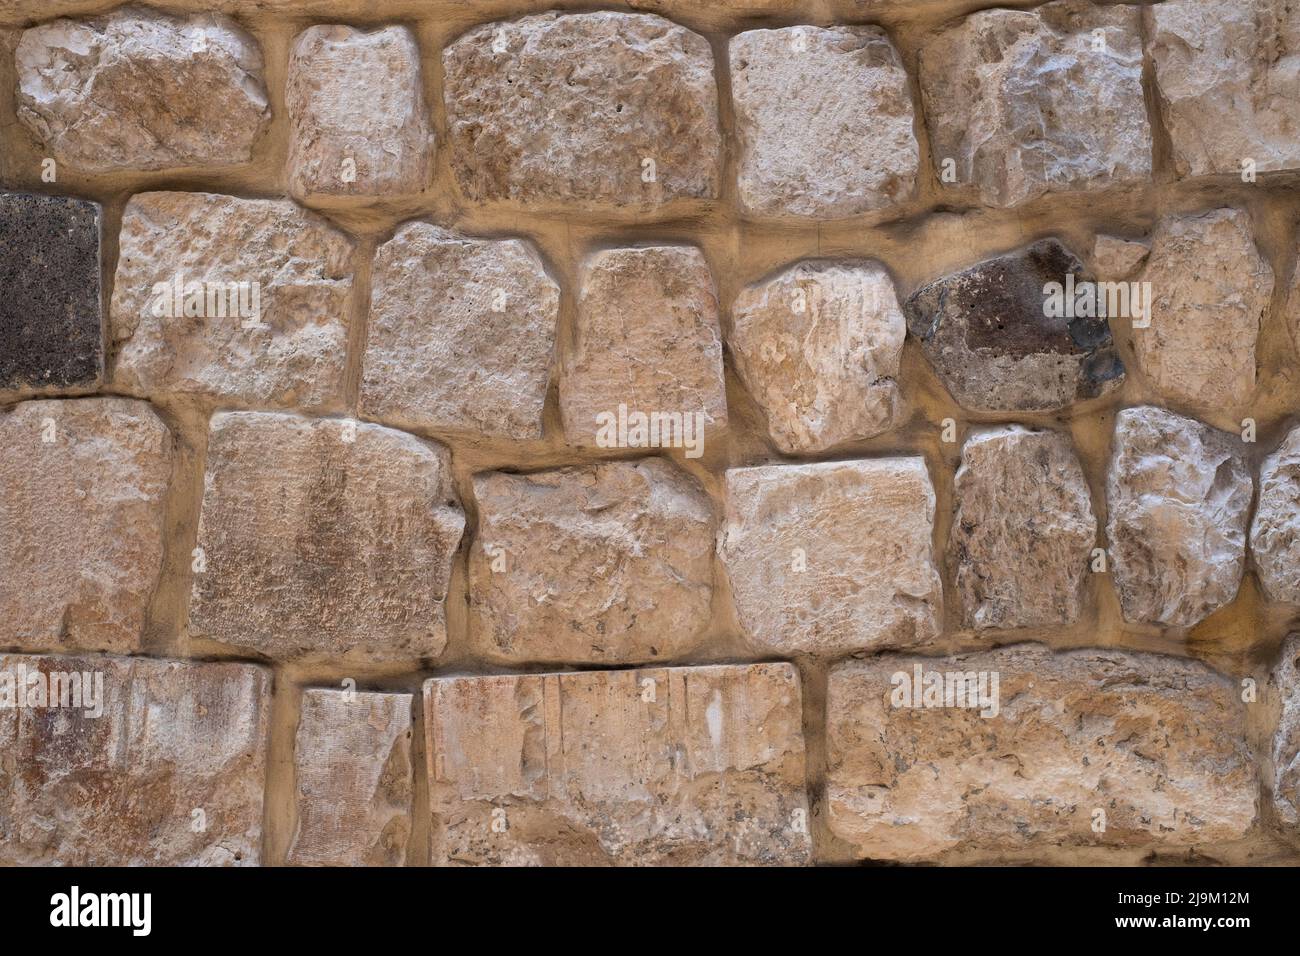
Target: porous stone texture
690,765
162,764
1286,739
1178,494
818,347
1114,258
51,319
833,557
988,334
139,89
1210,289
460,335
358,124
1023,529
1156,744
596,110
324,537
646,337
1228,84
1027,103
238,299
81,522
1275,531
824,119
608,564
352,764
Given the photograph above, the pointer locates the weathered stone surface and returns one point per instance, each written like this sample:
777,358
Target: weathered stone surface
154,749
824,119
602,110
833,557
1210,289
461,334
1229,88
1275,531
81,521
280,339
358,124
647,337
818,347
1023,530
1178,494
1114,258
324,536
1026,103
51,318
138,89
352,762
609,563
988,333
1286,739
1158,744
677,766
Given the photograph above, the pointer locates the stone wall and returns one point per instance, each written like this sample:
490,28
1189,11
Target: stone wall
325,326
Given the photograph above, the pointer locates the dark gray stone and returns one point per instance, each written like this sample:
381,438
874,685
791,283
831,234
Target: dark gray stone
987,332
50,314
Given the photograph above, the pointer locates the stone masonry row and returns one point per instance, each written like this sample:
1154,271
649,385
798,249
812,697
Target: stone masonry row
249,302
331,538
681,765
613,110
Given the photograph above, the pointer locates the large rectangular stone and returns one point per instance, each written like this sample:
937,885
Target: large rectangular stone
1087,748
324,538
83,487
159,763
690,765
352,761
51,317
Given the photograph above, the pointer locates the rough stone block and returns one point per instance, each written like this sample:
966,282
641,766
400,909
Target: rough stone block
324,537
81,521
680,766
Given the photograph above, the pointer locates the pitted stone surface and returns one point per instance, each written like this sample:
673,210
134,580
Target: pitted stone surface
352,763
833,557
824,117
988,334
1178,494
81,522
181,321
460,336
1027,103
598,110
138,89
51,317
1275,531
324,537
818,347
1210,291
687,765
359,126
166,746
647,338
1157,744
607,563
1228,83
1023,530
